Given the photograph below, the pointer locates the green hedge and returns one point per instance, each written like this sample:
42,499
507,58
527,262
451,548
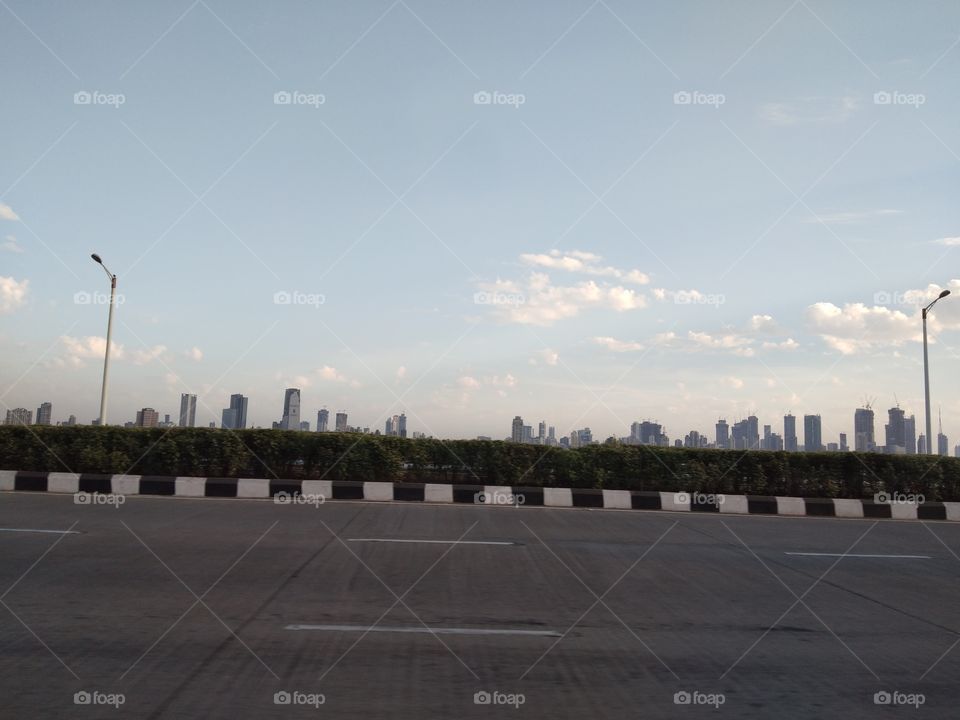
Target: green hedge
209,452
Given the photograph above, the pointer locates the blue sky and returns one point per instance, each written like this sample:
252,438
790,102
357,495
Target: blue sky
760,248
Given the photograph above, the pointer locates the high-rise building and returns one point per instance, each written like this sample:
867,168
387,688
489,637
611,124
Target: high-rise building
19,416
745,434
843,442
896,442
188,410
922,444
72,420
304,426
516,429
723,434
401,426
956,451
910,435
323,420
943,447
147,418
341,422
228,418
542,434
291,409
790,433
863,437
45,414
238,403
812,434
767,439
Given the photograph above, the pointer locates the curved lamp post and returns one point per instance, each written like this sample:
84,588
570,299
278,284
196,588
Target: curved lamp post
926,370
106,355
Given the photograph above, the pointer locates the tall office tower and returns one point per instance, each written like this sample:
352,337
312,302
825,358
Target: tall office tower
552,436
635,436
767,440
753,430
72,420
586,436
956,451
291,409
812,434
574,439
692,440
651,433
188,410
516,430
776,442
896,432
228,419
19,416
922,444
401,426
843,442
527,434
238,403
44,414
910,435
942,444
723,434
323,420
305,426
148,417
863,438
542,433
341,422
388,426
166,420
789,433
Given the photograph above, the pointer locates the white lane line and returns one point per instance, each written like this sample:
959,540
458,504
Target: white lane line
434,542
426,630
906,557
52,532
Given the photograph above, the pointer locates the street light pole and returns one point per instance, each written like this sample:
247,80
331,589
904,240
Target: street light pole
106,354
926,371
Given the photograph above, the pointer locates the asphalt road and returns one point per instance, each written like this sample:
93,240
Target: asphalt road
206,608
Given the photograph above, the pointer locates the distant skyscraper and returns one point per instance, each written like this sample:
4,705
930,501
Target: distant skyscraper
812,434
401,426
910,435
542,433
72,420
323,420
19,416
305,426
516,430
790,433
238,403
863,437
767,439
291,409
723,434
341,425
228,418
843,442
943,447
922,444
45,414
147,418
188,410
896,431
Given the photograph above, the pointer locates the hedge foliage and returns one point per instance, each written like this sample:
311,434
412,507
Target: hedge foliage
209,452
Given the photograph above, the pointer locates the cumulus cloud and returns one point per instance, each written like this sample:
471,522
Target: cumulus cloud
948,241
195,354
10,244
7,213
13,294
788,344
142,357
577,261
548,356
736,344
763,324
466,381
857,327
331,373
618,346
538,301
90,347
733,382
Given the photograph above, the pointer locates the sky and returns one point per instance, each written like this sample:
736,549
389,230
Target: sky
588,213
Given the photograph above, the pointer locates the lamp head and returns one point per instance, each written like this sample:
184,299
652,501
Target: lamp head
96,258
943,294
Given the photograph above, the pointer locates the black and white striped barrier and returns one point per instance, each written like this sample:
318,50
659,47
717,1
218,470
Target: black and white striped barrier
502,495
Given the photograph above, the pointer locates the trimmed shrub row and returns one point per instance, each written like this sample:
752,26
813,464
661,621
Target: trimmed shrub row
207,452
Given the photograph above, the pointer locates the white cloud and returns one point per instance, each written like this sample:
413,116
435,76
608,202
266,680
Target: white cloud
737,344
948,241
195,354
7,213
577,261
809,110
734,382
856,327
13,294
331,373
763,324
548,356
468,382
788,344
142,357
90,347
10,244
619,346
401,372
